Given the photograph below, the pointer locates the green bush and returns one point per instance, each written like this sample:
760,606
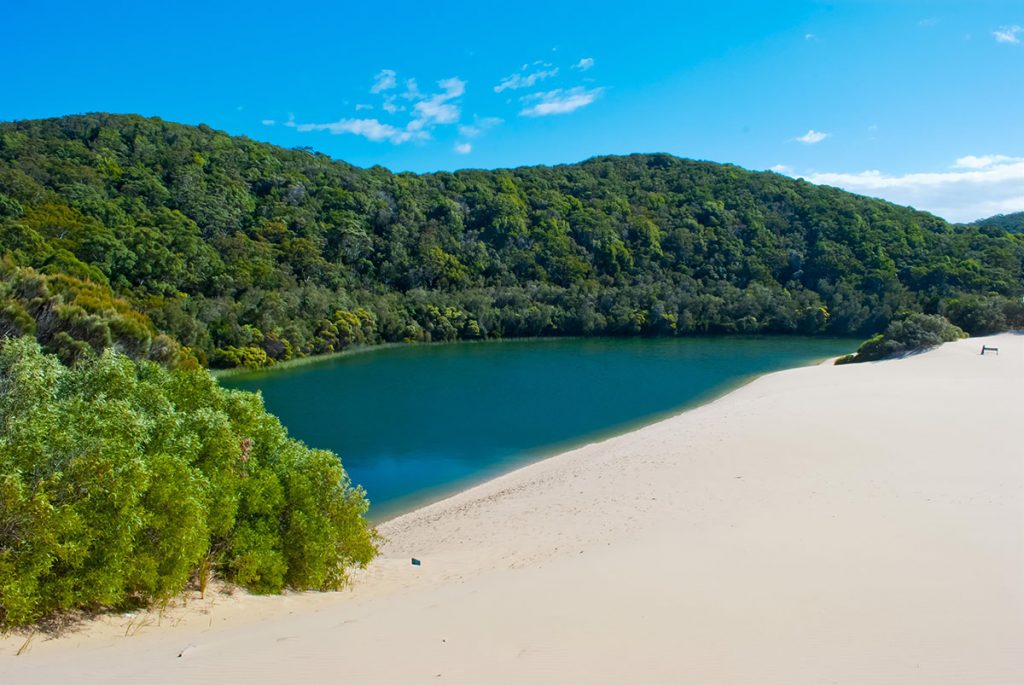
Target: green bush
980,314
908,333
122,480
250,357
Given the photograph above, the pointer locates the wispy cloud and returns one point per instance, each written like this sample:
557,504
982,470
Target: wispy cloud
268,122
928,22
812,137
361,106
584,64
558,101
412,90
978,186
384,80
479,126
438,108
371,129
810,36
428,112
522,79
1007,34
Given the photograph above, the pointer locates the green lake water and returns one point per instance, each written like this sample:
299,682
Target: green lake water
413,423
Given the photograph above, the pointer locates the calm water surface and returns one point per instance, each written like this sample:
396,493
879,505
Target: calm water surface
414,423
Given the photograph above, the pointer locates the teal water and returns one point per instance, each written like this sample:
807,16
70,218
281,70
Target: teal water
414,423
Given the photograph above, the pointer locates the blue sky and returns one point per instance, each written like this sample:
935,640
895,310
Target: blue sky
918,102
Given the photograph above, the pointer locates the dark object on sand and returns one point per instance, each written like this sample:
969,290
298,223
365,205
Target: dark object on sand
415,561
986,348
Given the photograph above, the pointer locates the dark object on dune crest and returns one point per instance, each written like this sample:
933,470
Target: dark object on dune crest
415,561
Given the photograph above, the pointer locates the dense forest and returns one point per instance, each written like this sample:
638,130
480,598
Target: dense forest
183,244
1010,222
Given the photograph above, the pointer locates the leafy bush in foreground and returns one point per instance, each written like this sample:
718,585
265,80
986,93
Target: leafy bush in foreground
913,331
120,481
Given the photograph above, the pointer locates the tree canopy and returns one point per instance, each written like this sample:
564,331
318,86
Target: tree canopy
1010,222
175,242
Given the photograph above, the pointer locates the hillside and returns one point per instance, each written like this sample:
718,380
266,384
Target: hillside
142,234
1008,222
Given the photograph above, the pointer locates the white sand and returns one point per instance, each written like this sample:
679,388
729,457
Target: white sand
860,524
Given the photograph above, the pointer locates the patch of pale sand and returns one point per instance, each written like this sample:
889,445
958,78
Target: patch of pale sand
857,524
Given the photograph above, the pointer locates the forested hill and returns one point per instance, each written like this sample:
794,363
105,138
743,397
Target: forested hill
1010,222
133,232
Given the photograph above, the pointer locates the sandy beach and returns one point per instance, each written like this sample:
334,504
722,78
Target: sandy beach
859,524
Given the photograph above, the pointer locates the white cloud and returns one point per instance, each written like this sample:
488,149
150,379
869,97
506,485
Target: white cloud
268,122
929,22
584,64
810,36
479,126
384,80
463,148
371,129
521,80
437,109
558,101
1007,34
428,112
980,186
361,107
782,169
983,161
812,137
412,90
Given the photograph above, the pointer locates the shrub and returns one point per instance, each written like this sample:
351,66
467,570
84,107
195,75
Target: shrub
121,480
908,333
250,357
980,314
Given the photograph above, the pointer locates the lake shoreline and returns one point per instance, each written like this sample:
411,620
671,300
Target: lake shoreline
414,424
327,357
355,350
858,523
528,460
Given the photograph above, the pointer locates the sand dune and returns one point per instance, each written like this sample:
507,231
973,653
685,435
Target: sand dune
858,524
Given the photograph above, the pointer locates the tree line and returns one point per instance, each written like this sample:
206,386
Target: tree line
193,244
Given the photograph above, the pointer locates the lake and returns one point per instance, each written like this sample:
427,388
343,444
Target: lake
413,423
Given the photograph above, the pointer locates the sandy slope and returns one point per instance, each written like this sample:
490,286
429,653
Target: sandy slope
859,524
